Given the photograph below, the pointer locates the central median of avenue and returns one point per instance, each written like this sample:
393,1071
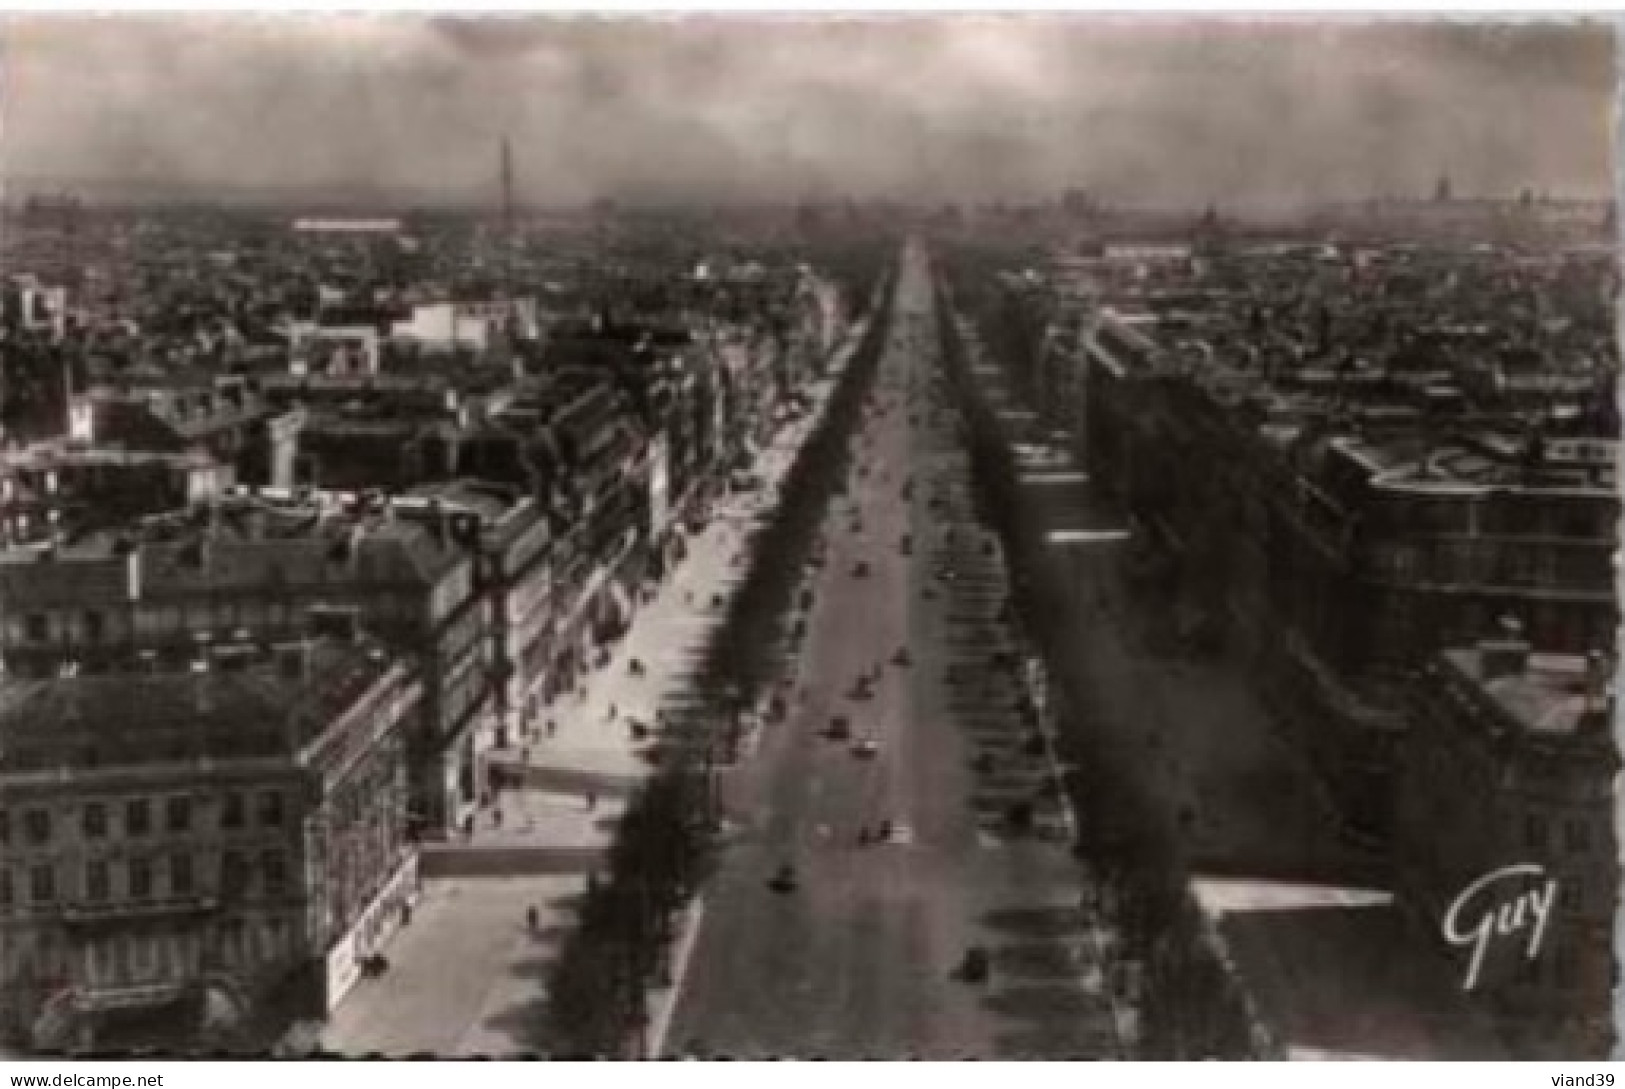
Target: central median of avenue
621,946
1127,843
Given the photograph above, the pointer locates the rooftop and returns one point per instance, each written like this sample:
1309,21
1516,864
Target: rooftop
244,541
1388,438
60,452
1547,696
493,504
1395,996
251,702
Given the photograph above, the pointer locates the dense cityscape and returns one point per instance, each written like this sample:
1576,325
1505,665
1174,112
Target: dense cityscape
830,628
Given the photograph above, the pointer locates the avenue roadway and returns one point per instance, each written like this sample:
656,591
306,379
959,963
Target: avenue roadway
859,959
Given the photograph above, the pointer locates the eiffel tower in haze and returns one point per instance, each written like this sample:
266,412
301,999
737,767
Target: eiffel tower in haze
506,271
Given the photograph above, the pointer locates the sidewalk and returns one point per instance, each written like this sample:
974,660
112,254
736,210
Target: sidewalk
591,738
467,977
1302,919
668,636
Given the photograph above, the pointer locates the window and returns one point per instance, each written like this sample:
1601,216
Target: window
231,943
137,817
233,875
275,868
231,810
276,936
271,808
5,827
178,814
95,820
1565,973
96,885
42,884
140,879
180,875
1534,830
37,826
37,629
118,959
1579,523
95,627
1577,835
5,888
140,956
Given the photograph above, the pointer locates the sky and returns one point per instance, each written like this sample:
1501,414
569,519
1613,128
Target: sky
743,108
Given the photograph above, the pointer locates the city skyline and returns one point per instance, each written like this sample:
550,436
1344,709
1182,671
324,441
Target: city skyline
837,538
1249,114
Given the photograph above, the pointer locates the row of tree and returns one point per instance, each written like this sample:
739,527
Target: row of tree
1189,1005
598,986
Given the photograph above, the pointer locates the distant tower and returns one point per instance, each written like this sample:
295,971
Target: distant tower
507,218
70,238
1442,192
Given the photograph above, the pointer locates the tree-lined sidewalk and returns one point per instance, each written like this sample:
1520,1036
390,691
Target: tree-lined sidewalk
598,987
1128,841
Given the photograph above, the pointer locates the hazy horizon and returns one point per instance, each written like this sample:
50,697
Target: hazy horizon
748,109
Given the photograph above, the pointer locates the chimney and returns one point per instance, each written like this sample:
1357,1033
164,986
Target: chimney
1507,653
1599,678
293,660
437,521
1597,711
202,693
335,622
1598,720
346,547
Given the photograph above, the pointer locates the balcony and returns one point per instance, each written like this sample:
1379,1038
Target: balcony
92,999
1551,566
86,912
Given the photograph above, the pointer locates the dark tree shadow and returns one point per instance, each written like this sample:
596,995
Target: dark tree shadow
1037,961
1035,922
525,1023
1055,1043
1044,1003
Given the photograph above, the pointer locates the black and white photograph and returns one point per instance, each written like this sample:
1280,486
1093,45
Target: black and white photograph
825,536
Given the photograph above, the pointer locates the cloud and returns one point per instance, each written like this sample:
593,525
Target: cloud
734,108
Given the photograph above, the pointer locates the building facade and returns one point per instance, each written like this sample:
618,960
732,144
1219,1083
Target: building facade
193,845
512,545
1510,763
1332,550
250,570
